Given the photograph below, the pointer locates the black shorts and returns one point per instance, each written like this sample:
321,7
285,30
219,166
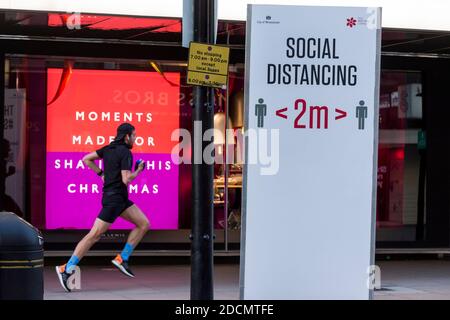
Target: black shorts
113,206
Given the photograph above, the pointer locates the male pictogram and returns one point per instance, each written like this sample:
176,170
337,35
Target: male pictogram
361,114
260,112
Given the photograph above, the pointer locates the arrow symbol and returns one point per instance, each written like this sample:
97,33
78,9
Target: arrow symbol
280,113
342,114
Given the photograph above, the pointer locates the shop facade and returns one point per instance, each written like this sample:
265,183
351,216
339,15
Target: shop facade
70,78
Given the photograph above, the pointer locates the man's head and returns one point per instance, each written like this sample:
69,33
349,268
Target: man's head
126,133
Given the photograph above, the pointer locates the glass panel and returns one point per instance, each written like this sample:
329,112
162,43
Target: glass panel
12,148
229,105
59,109
401,115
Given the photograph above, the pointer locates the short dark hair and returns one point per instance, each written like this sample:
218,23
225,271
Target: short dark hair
123,130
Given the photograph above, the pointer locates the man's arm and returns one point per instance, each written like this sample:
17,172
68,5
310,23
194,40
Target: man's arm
89,161
128,176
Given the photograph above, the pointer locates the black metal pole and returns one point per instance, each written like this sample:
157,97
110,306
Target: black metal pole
202,174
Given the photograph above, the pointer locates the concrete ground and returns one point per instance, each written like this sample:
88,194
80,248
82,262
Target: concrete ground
158,282
414,280
409,280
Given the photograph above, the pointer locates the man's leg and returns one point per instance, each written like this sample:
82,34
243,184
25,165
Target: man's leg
83,246
86,243
99,228
134,215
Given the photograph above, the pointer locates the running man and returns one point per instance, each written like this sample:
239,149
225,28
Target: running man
118,162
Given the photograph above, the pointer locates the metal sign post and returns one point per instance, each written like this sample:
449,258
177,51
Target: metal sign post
202,173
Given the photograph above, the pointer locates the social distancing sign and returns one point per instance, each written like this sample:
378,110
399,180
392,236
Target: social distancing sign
313,79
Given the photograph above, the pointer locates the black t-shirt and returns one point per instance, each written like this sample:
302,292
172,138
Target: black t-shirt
116,157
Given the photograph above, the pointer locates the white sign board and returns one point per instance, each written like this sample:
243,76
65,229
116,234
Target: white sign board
312,77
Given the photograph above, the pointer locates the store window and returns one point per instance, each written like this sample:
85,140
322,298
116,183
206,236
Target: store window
61,102
401,150
59,109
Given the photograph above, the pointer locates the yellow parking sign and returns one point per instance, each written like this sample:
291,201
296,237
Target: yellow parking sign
208,65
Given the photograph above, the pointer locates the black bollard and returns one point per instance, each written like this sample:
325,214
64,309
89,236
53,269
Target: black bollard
21,259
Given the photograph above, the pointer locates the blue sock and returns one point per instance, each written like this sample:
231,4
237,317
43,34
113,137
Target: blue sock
126,252
72,264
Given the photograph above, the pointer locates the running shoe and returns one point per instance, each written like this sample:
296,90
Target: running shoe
122,265
63,277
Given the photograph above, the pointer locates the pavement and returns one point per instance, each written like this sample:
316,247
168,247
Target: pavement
158,282
414,280
400,280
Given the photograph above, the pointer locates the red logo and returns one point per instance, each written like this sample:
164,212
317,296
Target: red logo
351,22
